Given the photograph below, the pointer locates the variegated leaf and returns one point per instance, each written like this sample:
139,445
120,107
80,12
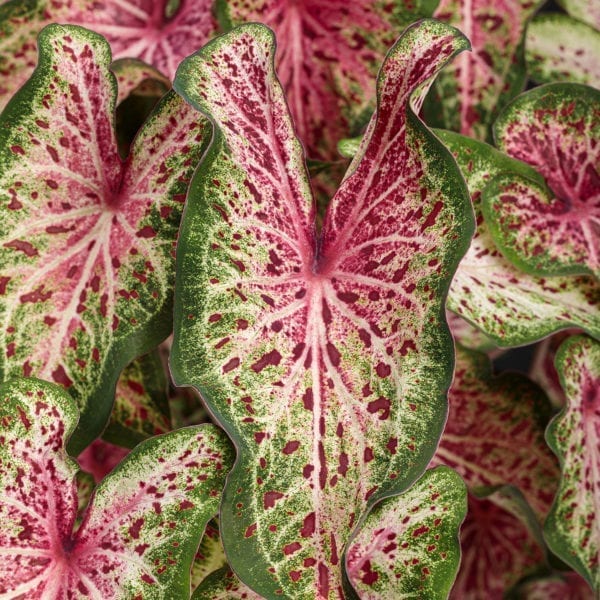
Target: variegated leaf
543,371
408,545
224,585
495,432
556,129
509,305
328,57
139,534
558,586
86,241
500,543
470,92
327,361
141,407
572,529
136,77
135,29
100,458
210,556
469,336
587,11
559,48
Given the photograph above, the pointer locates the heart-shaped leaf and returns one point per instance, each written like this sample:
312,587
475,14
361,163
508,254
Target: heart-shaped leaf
142,528
328,58
500,542
571,529
100,458
325,357
134,28
556,129
510,306
408,545
559,48
495,432
135,76
86,241
470,92
210,556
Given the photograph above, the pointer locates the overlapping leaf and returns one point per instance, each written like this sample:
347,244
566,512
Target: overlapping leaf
135,29
556,129
495,432
408,545
139,534
210,556
586,11
500,544
558,586
572,528
559,48
100,458
135,76
471,91
509,305
86,241
325,358
224,585
328,58
141,407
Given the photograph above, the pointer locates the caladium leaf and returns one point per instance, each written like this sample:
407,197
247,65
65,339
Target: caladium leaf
224,585
210,556
559,48
100,458
470,92
500,543
543,371
141,407
140,532
328,60
509,305
558,586
571,529
135,29
408,545
556,129
135,76
327,361
86,241
468,336
495,432
583,10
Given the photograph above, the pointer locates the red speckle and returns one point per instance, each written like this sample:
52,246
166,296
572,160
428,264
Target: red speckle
295,575
291,548
369,576
259,436
343,466
381,404
250,531
308,525
186,504
26,422
368,455
334,355
307,399
272,358
383,370
323,585
231,364
147,579
392,445
270,498
60,376
146,232
291,447
134,529
25,247
3,283
307,470
420,531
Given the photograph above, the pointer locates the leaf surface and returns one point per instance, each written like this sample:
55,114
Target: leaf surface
500,545
328,58
210,556
86,241
495,432
470,92
556,129
139,534
141,407
586,11
572,529
324,358
135,76
558,586
408,545
135,29
509,305
224,585
559,48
